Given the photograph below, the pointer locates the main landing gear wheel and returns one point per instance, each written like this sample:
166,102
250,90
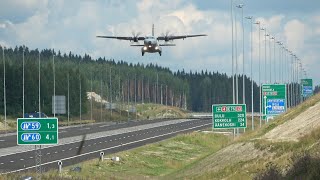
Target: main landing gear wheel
142,53
160,53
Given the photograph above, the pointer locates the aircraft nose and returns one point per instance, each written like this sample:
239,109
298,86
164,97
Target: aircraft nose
149,42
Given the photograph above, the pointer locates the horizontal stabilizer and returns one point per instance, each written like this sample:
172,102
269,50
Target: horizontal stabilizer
167,45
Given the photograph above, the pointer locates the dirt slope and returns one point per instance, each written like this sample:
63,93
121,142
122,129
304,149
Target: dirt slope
298,127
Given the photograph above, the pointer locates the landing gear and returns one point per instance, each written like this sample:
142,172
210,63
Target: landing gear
160,53
142,53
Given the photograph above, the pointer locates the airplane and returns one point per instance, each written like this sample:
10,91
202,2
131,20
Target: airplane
151,44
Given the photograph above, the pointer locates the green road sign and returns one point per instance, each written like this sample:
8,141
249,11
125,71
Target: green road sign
274,99
37,131
229,116
307,89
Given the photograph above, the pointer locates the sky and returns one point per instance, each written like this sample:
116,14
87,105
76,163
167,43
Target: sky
72,25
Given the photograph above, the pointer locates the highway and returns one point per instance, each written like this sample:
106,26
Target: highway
64,132
72,152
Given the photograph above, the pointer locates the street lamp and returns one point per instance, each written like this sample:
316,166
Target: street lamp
274,58
267,35
233,90
258,23
4,91
240,6
54,88
23,81
251,23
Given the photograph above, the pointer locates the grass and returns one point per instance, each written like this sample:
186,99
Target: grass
156,160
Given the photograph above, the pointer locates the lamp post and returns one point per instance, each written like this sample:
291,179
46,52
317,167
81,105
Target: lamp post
258,23
251,24
54,87
267,35
233,90
4,91
274,58
23,81
240,6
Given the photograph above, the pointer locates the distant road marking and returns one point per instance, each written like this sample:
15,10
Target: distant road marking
62,150
86,128
56,152
1,140
70,149
1,163
94,143
48,153
62,131
104,125
77,147
89,145
120,145
31,157
21,159
11,161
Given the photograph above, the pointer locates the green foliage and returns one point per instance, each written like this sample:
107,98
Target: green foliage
115,81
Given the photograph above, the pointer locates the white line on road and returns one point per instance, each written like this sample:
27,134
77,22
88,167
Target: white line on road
70,149
108,148
21,159
31,157
1,163
1,140
11,161
62,131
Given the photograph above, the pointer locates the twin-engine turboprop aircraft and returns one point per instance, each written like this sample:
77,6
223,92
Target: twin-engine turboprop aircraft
150,43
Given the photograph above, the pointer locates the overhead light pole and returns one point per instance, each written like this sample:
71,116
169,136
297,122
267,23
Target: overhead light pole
274,58
4,91
232,42
267,35
241,6
54,87
259,28
251,55
23,81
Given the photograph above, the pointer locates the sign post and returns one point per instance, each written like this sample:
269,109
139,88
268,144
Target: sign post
274,100
37,131
307,87
225,116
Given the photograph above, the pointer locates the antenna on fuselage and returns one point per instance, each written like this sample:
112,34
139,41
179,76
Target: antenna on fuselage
152,29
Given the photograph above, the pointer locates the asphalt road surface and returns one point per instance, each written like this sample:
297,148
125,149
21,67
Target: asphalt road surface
75,152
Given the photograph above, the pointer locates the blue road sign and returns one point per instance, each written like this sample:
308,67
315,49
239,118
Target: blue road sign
275,106
30,137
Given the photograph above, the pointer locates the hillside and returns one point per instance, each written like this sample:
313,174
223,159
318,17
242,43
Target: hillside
286,148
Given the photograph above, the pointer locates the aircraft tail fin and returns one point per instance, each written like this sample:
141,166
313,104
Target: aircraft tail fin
152,29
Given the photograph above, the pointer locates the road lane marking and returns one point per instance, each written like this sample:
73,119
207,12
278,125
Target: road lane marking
31,157
62,131
48,153
1,163
21,159
11,161
1,140
113,147
70,149
56,152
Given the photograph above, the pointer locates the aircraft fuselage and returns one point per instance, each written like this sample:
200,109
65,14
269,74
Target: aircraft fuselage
151,45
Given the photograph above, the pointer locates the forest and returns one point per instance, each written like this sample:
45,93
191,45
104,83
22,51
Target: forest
115,80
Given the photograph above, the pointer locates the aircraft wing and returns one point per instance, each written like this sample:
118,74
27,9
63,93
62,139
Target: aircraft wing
128,38
136,45
168,38
167,45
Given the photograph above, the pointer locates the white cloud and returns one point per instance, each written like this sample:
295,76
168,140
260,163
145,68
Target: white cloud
73,25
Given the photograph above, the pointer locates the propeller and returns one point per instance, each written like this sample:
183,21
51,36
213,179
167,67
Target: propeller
167,36
135,36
